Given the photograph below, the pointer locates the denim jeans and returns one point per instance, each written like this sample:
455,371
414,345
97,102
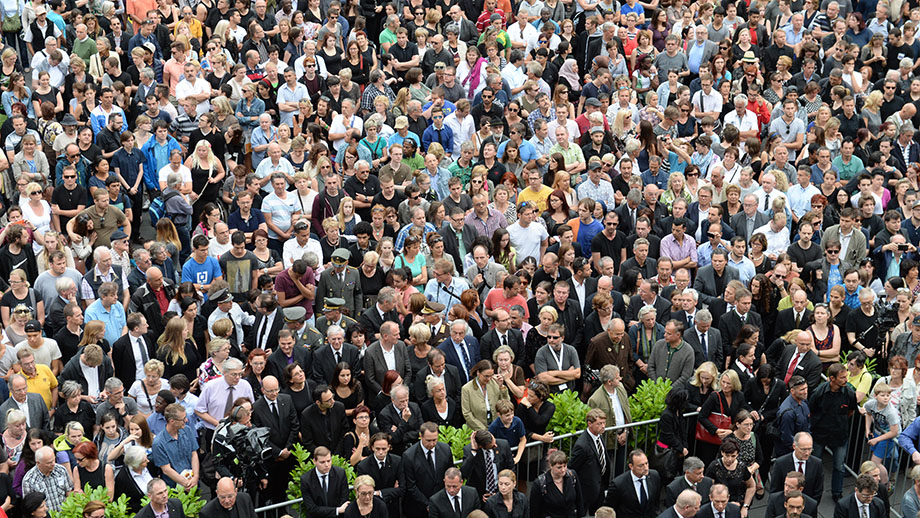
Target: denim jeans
840,454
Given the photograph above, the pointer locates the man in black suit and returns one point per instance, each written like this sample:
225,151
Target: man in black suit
712,279
793,484
799,360
456,499
229,502
796,317
425,463
687,505
719,506
591,460
800,460
648,296
693,479
402,419
862,503
91,363
386,470
133,350
323,423
286,353
160,502
437,366
483,459
375,358
324,488
582,286
744,222
502,334
634,494
276,412
794,505
641,260
570,316
730,324
334,352
383,311
457,223
268,322
705,340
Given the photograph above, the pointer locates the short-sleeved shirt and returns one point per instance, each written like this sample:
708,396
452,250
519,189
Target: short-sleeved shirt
238,273
44,355
42,383
175,452
882,418
284,284
280,211
114,218
201,273
527,241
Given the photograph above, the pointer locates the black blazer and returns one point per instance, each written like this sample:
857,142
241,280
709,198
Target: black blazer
621,495
679,484
454,416
474,464
277,362
452,383
733,510
283,431
123,359
243,507
422,479
125,485
585,463
492,341
313,432
451,247
809,367
73,372
371,321
590,290
403,433
662,306
441,504
785,322
776,507
173,507
272,341
713,351
495,506
324,362
730,325
318,504
847,508
391,481
814,476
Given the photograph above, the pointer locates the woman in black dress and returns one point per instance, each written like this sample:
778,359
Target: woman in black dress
356,445
177,351
672,426
346,389
765,393
298,387
557,493
508,502
90,470
366,505
732,472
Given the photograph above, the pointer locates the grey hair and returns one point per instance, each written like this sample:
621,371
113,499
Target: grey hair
63,284
113,383
139,254
14,416
311,258
97,254
693,463
173,180
70,388
459,323
633,145
134,456
398,388
156,247
634,195
741,99
646,310
433,381
693,293
52,39
335,330
387,294
231,364
148,73
153,484
640,241
502,349
703,316
608,373
467,146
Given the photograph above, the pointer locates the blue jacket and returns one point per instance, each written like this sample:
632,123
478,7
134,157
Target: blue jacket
431,135
257,108
151,172
793,418
909,437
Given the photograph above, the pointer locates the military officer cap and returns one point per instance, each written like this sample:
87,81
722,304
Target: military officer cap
433,307
223,295
296,314
333,304
341,255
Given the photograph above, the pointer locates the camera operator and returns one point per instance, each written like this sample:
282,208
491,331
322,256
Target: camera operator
862,328
235,454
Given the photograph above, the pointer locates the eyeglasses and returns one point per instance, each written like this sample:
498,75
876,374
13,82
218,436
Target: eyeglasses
682,110
553,337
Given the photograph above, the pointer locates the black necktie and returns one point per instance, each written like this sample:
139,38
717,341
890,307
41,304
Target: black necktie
766,202
798,319
143,348
457,505
262,326
490,473
703,343
275,411
504,340
325,485
643,495
338,357
439,135
434,468
689,320
229,404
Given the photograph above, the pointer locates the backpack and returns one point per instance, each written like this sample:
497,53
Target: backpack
158,207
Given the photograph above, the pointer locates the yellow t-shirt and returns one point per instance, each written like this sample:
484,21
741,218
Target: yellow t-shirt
540,198
862,382
42,383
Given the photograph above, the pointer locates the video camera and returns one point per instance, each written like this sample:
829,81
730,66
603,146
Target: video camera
242,451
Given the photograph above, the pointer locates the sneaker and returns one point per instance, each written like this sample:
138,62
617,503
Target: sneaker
146,203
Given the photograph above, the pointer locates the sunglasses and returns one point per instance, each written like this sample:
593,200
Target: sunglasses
33,193
833,251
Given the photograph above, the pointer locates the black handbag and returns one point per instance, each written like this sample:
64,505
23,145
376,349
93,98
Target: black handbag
664,460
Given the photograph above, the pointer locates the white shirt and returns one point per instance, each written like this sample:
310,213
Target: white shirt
338,126
617,409
638,487
237,315
579,291
142,478
138,345
265,329
215,249
292,251
777,242
24,407
186,88
845,242
185,172
92,379
748,122
389,357
774,194
463,129
527,241
711,102
528,35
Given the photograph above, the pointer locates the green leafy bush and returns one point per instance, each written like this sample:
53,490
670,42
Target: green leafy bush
646,404
304,464
871,363
73,505
456,438
569,417
192,502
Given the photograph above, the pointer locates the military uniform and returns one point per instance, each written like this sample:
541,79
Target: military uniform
345,285
307,336
323,323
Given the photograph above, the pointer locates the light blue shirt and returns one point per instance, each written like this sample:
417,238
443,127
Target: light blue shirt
704,254
287,95
800,198
447,295
745,266
114,318
695,56
279,211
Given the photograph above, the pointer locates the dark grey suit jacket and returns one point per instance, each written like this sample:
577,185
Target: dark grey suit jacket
375,366
705,282
739,224
38,412
713,346
173,506
677,486
442,506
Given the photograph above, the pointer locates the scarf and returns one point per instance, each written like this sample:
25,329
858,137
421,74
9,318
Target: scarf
475,76
568,71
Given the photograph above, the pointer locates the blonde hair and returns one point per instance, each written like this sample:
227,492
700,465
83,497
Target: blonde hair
154,365
92,332
171,342
19,272
873,100
340,217
713,371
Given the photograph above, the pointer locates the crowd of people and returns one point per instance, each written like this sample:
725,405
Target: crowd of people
352,223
